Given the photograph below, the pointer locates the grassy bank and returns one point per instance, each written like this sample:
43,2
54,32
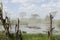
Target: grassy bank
31,37
34,37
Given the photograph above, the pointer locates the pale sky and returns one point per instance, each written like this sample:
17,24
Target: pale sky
40,7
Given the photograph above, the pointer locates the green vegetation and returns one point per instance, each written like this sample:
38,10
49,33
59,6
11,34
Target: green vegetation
30,37
34,37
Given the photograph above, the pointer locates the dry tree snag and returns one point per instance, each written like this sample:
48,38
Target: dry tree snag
52,14
18,34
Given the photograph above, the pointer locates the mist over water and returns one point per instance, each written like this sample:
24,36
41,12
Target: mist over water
43,29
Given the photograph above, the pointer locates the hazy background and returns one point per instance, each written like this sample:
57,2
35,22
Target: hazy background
33,14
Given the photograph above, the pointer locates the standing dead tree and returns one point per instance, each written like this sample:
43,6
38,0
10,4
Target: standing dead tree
5,21
18,34
51,28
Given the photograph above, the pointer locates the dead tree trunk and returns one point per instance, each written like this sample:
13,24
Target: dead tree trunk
18,33
51,29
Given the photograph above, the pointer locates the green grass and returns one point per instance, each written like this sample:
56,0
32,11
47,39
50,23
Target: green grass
34,37
31,37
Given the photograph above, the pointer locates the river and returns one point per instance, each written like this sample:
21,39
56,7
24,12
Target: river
43,29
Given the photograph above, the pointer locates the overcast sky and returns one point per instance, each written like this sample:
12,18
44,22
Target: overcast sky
41,7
